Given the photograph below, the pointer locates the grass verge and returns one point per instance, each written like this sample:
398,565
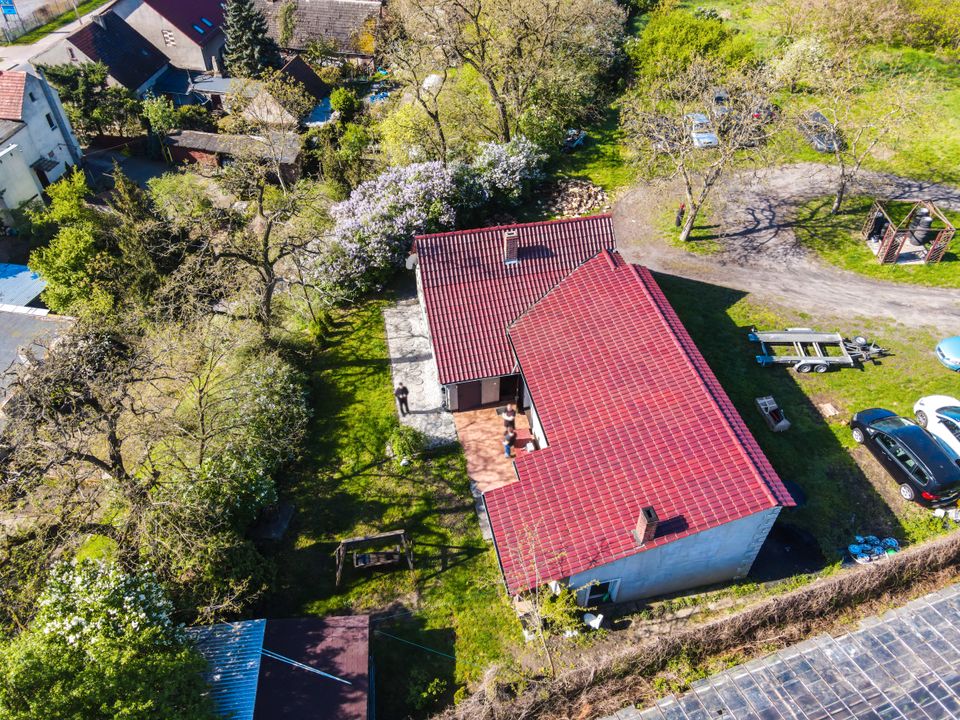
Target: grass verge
836,239
703,238
451,606
58,22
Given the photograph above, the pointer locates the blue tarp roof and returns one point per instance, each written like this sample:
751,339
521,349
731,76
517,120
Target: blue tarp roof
18,285
233,653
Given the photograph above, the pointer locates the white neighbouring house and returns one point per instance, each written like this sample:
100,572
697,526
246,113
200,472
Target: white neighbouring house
37,144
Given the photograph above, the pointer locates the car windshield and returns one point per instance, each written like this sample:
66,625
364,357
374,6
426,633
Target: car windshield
701,127
891,423
953,413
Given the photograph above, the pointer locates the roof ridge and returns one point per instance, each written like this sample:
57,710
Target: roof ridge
514,226
667,310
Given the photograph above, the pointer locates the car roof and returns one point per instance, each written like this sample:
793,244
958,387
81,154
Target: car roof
950,345
930,452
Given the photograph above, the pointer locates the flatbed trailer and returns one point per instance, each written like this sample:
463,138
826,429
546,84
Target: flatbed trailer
811,349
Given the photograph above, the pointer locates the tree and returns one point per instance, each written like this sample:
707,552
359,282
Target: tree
103,645
249,50
857,133
161,116
659,124
539,61
287,22
94,107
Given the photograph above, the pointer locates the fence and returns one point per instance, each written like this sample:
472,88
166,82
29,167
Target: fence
31,14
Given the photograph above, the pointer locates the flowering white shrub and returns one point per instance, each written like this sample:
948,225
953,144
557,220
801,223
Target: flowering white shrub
506,170
86,602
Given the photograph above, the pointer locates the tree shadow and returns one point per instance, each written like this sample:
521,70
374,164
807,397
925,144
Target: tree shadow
840,501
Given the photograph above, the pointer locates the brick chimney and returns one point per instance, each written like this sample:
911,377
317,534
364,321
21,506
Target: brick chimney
646,526
511,247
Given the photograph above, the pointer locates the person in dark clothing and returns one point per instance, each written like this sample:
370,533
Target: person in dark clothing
401,394
509,437
510,418
681,211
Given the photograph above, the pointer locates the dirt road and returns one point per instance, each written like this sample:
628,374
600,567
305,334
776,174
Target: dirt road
760,254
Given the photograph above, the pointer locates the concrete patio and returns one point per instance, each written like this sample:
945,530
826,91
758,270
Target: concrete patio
411,363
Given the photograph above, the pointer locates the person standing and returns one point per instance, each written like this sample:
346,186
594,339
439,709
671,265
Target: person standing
681,211
510,418
509,437
401,393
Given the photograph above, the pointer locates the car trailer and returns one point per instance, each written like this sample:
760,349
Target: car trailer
811,349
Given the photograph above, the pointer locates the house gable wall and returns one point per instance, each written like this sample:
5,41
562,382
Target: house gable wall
184,52
716,555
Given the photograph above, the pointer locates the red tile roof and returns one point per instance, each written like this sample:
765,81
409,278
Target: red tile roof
185,15
339,646
12,83
471,296
634,417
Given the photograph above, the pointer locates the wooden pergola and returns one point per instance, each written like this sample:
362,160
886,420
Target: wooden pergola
893,236
365,558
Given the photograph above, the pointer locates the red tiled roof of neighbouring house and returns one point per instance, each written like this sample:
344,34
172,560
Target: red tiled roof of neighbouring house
188,15
634,417
339,646
109,39
471,295
12,83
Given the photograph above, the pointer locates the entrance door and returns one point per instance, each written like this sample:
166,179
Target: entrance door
468,396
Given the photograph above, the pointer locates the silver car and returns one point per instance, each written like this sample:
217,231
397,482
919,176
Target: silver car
701,131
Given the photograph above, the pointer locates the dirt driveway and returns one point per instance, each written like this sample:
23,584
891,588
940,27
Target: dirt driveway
760,253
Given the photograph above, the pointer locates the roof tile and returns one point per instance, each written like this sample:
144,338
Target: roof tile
12,84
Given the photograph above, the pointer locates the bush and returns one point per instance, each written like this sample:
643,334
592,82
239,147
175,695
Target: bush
406,443
346,103
672,41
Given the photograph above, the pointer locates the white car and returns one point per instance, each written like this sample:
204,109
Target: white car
701,131
940,415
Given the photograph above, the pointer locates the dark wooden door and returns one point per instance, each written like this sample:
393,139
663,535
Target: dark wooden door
468,395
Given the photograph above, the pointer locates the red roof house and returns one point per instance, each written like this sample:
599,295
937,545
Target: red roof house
471,292
629,416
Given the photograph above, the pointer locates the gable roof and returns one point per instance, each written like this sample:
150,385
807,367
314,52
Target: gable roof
132,60
340,21
12,84
246,683
471,295
236,144
297,69
633,417
188,15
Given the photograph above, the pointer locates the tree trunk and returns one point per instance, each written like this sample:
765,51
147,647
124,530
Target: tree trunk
265,313
687,228
838,197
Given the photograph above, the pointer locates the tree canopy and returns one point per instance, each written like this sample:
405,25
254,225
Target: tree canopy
249,50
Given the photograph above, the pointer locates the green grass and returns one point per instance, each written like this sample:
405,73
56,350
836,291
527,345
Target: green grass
837,239
453,602
703,238
816,454
58,22
603,158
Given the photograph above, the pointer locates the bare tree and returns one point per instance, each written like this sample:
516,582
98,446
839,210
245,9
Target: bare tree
677,120
528,53
850,131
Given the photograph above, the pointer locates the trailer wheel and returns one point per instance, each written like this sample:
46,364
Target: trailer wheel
821,368
802,368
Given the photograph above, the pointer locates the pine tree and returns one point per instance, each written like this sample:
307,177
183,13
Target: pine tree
249,50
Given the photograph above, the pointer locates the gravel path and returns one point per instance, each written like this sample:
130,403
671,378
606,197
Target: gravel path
760,254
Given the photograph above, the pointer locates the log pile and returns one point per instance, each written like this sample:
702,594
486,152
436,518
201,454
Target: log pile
571,198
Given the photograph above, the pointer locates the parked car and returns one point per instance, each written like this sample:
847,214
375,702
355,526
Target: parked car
939,415
573,139
819,132
948,352
720,102
701,131
927,471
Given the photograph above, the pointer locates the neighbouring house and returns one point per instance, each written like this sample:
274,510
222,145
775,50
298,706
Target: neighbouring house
349,25
643,479
261,107
132,61
37,144
188,32
214,150
289,669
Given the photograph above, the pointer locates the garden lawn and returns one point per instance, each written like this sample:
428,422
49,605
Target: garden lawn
815,454
603,159
453,603
837,239
58,22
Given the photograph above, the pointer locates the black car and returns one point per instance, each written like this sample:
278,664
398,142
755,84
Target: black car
819,132
927,471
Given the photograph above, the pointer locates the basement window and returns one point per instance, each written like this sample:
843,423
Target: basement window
50,122
33,98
